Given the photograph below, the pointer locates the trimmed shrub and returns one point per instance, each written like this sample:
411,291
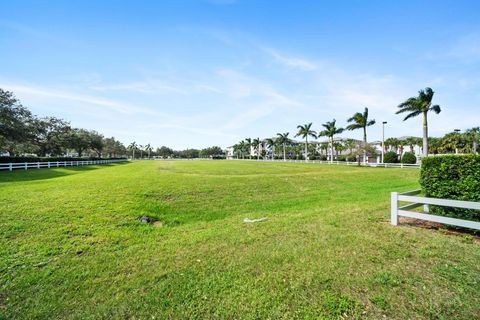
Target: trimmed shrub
299,157
390,157
322,158
452,177
409,157
312,157
347,157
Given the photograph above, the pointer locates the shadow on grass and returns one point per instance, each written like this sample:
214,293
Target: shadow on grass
20,175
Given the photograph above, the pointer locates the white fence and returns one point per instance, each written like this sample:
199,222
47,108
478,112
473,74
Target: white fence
54,164
341,163
416,201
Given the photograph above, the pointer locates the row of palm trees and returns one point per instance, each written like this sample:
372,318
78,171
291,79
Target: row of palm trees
414,106
138,147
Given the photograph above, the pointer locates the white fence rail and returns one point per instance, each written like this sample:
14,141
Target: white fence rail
341,163
416,201
54,164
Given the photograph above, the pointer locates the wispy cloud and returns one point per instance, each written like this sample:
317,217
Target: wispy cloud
140,87
68,95
291,62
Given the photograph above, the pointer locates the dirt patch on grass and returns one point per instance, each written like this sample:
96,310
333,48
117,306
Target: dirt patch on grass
469,235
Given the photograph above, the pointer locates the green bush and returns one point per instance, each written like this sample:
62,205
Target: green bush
347,157
409,157
312,157
322,158
299,157
390,157
452,177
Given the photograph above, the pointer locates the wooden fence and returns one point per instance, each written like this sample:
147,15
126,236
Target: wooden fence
54,164
416,201
340,163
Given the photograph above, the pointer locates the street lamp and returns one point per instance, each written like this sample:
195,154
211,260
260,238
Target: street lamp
457,131
383,138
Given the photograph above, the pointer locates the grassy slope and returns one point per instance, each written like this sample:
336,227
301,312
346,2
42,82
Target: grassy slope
71,247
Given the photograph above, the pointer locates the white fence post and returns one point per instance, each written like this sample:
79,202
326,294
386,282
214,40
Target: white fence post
26,165
10,167
394,208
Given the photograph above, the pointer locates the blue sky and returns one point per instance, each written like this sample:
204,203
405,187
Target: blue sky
201,73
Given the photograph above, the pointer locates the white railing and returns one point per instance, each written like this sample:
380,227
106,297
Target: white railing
54,164
341,163
417,201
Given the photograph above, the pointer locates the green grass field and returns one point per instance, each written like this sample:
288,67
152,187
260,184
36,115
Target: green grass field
71,245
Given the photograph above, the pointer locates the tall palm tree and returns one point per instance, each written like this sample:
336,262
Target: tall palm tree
360,121
271,143
330,131
256,145
474,133
283,140
133,147
148,148
305,131
140,147
415,106
248,145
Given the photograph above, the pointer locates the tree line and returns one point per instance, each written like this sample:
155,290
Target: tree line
23,133
412,107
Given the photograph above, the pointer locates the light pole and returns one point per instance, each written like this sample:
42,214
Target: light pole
383,138
456,148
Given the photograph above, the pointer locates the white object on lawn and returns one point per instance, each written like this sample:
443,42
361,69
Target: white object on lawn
254,220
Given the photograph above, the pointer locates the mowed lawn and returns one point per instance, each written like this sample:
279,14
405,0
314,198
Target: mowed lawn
71,245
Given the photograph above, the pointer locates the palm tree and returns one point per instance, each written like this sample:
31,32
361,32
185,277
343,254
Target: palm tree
360,121
133,147
474,133
148,148
248,145
305,131
330,131
283,139
256,145
420,105
392,142
271,142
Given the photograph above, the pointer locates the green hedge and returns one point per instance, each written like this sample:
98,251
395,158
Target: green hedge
452,177
390,157
44,159
409,157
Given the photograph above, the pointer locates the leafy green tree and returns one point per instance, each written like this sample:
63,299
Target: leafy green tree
330,131
361,121
79,140
416,106
283,140
49,135
212,152
305,131
96,142
164,152
14,121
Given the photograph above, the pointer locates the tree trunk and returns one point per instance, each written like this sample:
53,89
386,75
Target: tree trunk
284,153
306,149
365,145
425,134
475,145
331,149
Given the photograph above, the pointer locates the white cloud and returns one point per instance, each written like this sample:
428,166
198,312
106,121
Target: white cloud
291,62
68,95
140,87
